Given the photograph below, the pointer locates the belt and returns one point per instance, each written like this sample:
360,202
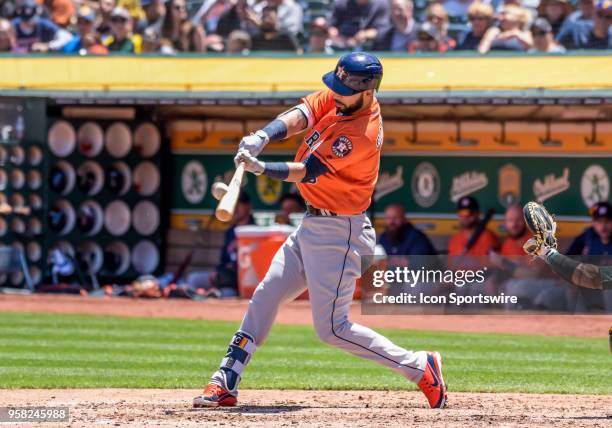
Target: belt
324,213
319,213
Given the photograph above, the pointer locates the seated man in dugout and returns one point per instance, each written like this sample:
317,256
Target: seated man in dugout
519,276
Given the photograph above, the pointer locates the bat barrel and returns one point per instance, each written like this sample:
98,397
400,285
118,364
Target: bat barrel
227,205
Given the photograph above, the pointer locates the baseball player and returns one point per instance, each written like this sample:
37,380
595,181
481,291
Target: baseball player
544,246
336,169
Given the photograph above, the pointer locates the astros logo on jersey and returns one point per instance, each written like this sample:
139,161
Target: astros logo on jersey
342,147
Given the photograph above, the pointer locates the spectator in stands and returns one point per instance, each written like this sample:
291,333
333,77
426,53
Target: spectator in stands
437,16
594,241
468,211
510,34
60,11
227,270
555,12
318,37
403,31
239,17
355,24
270,38
155,13
401,237
578,23
210,12
86,40
543,38
598,36
179,34
7,36
290,15
480,17
122,39
7,9
239,42
290,203
35,33
103,23
427,40
517,232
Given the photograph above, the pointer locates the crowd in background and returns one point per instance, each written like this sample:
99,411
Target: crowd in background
315,26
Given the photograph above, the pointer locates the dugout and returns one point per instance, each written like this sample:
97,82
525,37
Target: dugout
154,133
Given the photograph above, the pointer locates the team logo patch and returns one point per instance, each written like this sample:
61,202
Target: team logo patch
342,147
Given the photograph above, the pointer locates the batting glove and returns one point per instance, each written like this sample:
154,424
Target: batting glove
254,143
251,163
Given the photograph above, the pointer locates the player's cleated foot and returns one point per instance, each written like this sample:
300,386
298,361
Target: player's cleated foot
432,384
214,396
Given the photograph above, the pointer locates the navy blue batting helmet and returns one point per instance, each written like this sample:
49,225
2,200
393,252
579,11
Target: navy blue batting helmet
355,72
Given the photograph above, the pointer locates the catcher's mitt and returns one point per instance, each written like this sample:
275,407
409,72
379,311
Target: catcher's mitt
543,227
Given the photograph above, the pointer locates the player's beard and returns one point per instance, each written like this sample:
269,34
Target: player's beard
348,110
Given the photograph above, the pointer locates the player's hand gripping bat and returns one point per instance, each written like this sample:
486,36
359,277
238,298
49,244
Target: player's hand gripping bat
227,204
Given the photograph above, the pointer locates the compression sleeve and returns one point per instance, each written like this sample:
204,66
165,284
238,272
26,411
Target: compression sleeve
581,274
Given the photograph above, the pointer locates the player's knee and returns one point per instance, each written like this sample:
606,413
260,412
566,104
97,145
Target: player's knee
331,335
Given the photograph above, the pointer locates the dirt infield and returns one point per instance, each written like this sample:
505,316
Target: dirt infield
298,312
269,408
123,407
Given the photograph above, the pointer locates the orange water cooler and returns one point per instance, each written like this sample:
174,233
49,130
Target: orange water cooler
257,246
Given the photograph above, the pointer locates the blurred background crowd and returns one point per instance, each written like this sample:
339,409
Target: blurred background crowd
303,26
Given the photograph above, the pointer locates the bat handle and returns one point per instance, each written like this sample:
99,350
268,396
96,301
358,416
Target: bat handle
227,205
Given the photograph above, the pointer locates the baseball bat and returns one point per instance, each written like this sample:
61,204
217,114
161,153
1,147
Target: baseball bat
227,204
479,229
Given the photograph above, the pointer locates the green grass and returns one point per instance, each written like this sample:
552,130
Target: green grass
76,351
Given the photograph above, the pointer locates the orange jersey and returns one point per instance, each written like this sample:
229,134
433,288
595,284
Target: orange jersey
486,242
349,146
514,246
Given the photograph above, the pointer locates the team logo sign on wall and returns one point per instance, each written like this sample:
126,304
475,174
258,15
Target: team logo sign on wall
269,190
425,184
468,183
509,185
551,185
194,182
594,185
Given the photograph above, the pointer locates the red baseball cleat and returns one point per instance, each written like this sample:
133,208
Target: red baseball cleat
214,396
432,384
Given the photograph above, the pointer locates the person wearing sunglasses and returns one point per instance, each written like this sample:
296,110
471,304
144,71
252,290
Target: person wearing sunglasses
438,17
86,40
427,40
122,39
480,17
510,34
599,36
543,39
